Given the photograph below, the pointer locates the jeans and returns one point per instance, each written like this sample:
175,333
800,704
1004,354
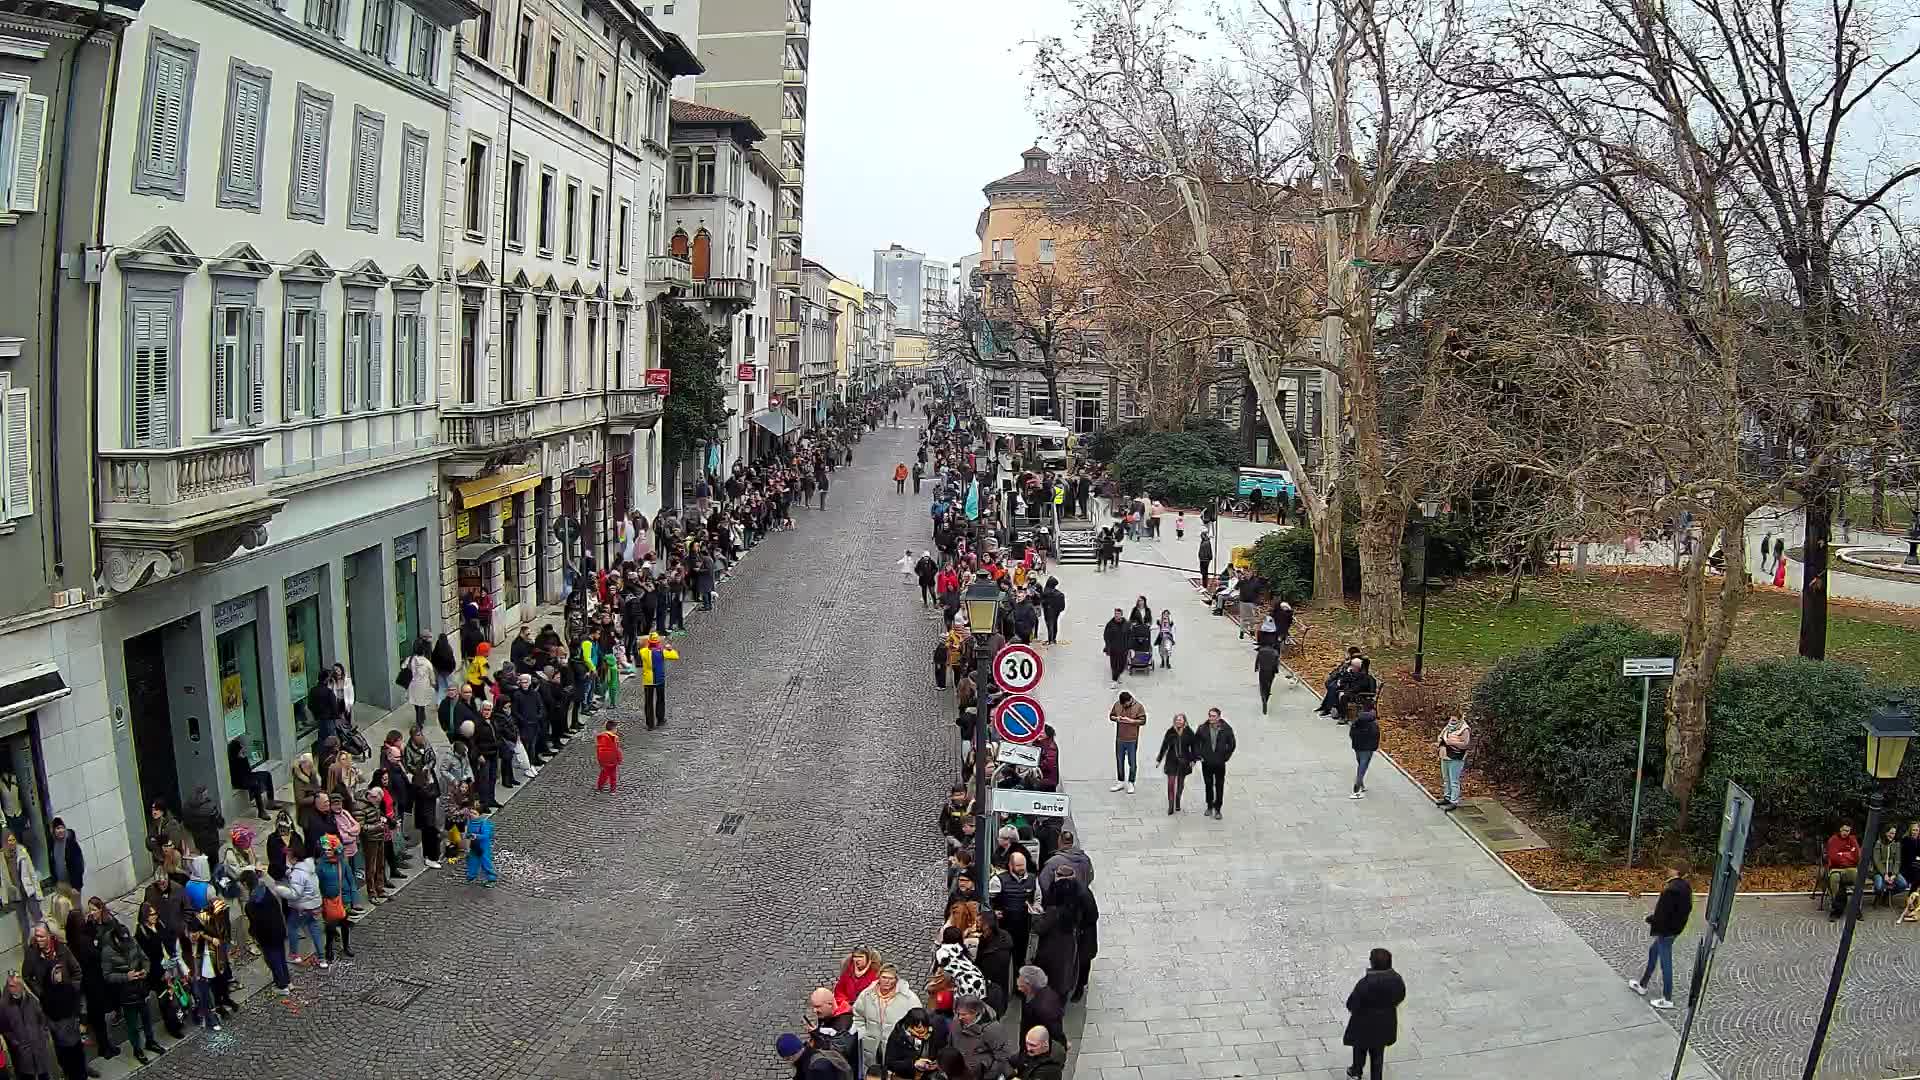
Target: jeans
138,1018
1215,779
1450,770
1126,762
1661,952
303,921
276,958
1364,758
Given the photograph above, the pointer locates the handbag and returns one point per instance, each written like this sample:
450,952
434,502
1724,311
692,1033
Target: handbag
333,909
405,678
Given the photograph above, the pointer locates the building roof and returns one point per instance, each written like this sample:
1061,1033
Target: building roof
1033,175
692,112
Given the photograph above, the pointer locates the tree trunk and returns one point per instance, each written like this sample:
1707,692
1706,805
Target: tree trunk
1878,515
1382,613
1814,558
1707,623
1329,585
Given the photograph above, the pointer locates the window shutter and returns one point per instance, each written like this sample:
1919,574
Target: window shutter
310,156
169,115
319,368
289,368
352,348
420,361
373,361
257,367
29,145
413,186
19,449
151,375
222,367
243,174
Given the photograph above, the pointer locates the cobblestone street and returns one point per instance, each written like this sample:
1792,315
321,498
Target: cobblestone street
656,933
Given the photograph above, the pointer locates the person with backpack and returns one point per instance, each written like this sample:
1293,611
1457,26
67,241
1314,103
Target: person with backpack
811,1058
1053,603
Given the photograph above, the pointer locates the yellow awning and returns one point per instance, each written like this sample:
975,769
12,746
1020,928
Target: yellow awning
497,486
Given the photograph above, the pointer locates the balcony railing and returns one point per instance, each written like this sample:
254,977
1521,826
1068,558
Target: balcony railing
171,485
787,278
793,125
496,426
786,380
793,76
634,405
797,28
666,273
790,226
735,290
786,328
792,176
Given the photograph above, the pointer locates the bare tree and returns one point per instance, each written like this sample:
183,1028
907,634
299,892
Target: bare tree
1035,318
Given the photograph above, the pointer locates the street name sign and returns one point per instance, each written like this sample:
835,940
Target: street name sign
1646,667
1029,803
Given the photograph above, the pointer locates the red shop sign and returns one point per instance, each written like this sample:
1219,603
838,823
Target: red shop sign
662,378
746,372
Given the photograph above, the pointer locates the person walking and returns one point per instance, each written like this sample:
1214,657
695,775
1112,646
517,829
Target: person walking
1266,665
1052,603
1373,1014
1114,638
420,681
924,571
1163,637
1454,739
1206,555
654,657
1214,746
1128,716
900,478
1178,750
1664,923
1364,733
606,749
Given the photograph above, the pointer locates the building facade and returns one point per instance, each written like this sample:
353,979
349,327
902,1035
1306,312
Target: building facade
268,441
62,753
814,313
554,223
900,273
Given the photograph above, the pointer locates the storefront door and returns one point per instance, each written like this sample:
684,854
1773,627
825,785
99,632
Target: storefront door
241,715
306,652
406,596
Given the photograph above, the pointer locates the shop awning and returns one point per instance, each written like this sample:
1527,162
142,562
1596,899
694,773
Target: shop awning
777,421
478,550
496,486
28,688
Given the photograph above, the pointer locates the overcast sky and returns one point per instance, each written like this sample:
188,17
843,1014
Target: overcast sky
912,107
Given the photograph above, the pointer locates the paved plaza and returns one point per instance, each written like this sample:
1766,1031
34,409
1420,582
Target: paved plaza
1227,948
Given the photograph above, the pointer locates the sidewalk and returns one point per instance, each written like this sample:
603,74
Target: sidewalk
1227,948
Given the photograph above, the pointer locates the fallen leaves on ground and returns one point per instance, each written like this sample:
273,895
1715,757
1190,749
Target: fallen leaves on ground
1546,868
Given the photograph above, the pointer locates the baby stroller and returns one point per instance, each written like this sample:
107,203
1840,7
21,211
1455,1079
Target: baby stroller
1140,649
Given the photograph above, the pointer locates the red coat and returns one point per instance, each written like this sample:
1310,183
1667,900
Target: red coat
606,748
1843,852
850,985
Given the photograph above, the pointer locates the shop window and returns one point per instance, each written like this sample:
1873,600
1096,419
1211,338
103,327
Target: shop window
20,793
510,534
238,651
305,659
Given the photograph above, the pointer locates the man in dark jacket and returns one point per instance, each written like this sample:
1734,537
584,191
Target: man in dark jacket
1042,1056
1215,740
925,571
1206,557
1052,603
1333,682
1026,619
1669,917
530,708
123,964
66,863
203,820
1044,1006
832,1028
1266,665
485,754
1113,639
554,701
980,1037
1373,1014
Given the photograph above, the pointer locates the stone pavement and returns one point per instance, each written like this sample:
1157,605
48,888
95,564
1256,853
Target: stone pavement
1768,982
1227,948
674,930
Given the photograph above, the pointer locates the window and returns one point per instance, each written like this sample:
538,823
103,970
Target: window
621,238
626,118
657,111
703,171
579,85
656,221
469,354
553,70
165,112
409,351
413,182
303,376
682,172
734,187
483,44
152,364
594,229
566,351
547,178
510,349
307,180
376,29
593,348
523,53
1003,251
619,352
540,351
474,219
1046,249
599,99
243,144
16,417
360,351
573,221
423,58
517,203
1283,258
324,16
369,144
238,378
23,132
753,227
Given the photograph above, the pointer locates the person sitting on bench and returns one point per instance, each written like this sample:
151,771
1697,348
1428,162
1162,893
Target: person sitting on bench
1336,679
1843,868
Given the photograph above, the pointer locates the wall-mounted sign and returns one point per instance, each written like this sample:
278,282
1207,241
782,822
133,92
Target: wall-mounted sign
745,372
232,613
406,547
662,378
301,586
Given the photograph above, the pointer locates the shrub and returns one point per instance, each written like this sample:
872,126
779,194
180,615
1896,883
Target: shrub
1284,558
1175,466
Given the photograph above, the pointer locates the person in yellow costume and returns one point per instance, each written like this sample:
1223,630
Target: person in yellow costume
655,655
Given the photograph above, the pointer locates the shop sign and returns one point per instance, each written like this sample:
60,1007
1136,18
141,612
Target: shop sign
463,525
232,613
661,378
746,373
302,586
406,547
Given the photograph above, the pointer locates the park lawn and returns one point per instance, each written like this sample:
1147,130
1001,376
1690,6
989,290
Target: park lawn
1860,509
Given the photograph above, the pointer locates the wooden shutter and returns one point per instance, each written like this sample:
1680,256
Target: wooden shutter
169,117
257,366
366,171
151,374
222,366
310,159
373,360
413,184
352,352
19,451
29,148
290,366
317,372
420,360
249,106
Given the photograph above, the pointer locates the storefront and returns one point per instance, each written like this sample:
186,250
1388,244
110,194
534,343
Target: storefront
307,657
491,557
243,714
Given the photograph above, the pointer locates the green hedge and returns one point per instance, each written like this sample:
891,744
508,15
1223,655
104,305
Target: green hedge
1284,558
1179,467
1563,720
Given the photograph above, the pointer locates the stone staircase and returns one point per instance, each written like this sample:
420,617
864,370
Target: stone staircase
1076,545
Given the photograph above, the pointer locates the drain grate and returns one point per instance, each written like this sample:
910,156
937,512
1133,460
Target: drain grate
828,603
395,994
794,680
730,824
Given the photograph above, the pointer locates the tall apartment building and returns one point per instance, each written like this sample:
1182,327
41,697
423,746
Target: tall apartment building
918,286
553,227
271,311
935,284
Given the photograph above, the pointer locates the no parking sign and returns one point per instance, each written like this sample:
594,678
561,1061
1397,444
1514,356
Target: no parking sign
1019,718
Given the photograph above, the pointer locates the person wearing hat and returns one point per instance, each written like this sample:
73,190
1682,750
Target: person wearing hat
810,1059
655,654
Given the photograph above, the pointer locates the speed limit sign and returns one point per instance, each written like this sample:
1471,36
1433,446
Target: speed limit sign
1016,668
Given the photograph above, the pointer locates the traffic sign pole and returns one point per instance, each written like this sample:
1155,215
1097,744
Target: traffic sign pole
1646,669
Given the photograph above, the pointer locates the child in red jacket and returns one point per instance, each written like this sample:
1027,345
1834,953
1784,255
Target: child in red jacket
607,749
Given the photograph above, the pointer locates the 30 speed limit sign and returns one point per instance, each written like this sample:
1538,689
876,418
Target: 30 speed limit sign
1016,668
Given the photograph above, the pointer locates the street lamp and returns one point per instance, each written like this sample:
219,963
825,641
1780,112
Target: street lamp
983,610
1888,730
1429,510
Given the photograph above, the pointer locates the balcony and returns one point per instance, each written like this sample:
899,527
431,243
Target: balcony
641,408
786,328
726,290
167,512
797,28
793,77
787,279
789,226
665,274
487,429
795,126
786,380
792,176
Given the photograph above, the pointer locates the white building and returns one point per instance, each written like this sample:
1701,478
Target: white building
720,200
554,222
268,441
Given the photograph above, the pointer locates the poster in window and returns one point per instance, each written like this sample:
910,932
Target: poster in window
296,669
233,701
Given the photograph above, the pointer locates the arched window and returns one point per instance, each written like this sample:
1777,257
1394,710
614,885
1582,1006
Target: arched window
679,244
702,254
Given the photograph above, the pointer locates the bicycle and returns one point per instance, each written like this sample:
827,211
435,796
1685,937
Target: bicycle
1234,504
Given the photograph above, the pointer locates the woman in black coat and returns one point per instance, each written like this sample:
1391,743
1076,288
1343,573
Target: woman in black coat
1060,930
1179,749
1365,736
1373,1017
